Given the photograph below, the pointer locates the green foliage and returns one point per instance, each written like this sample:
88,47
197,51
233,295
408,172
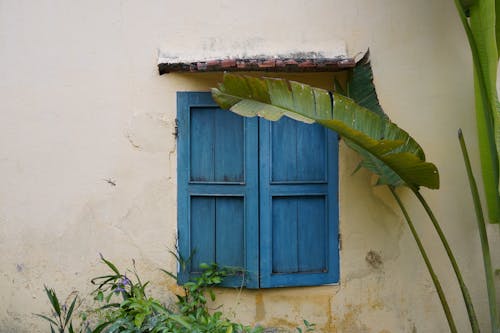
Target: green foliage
361,89
387,150
124,306
139,313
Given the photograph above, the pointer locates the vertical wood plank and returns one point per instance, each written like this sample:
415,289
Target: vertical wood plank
312,231
202,231
284,235
202,142
229,146
311,152
284,150
230,231
251,202
183,175
265,204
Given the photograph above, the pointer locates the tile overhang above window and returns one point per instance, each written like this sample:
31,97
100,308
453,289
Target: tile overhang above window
311,57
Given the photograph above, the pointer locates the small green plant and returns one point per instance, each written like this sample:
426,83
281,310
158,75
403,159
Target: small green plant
124,306
308,327
194,299
61,320
133,311
138,313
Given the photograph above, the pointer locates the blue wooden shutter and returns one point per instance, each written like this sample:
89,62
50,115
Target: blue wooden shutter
217,174
298,204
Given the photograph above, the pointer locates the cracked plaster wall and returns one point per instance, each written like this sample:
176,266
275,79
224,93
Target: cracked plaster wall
88,159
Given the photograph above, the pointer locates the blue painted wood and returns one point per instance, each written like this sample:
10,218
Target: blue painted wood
229,147
285,257
216,145
284,189
299,230
311,158
217,175
313,188
202,144
283,147
274,210
217,189
230,231
294,159
183,175
202,226
312,229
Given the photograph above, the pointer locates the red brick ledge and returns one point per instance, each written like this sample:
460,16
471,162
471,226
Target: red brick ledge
291,65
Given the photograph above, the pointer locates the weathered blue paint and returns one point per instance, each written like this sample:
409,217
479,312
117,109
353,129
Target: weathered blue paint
229,231
298,160
257,195
201,231
217,188
298,204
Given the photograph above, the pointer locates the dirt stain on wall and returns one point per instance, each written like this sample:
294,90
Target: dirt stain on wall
349,321
374,259
260,311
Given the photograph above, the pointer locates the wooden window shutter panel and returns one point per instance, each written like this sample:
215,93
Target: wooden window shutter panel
217,188
298,204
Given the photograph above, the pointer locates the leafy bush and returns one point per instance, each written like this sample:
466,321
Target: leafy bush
139,313
122,305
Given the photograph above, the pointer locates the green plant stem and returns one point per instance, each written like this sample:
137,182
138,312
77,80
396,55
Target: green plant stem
475,55
486,115
421,248
483,236
465,292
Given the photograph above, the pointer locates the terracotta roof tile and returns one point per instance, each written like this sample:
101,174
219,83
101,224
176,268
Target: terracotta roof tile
263,65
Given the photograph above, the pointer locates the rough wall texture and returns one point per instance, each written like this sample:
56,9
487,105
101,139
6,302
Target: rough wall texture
87,155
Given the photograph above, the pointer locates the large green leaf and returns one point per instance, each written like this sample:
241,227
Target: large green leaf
361,89
387,150
360,86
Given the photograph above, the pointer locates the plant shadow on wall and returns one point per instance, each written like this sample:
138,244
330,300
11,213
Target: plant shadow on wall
356,115
122,305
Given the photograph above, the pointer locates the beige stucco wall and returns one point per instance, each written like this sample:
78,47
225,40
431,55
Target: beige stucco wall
82,103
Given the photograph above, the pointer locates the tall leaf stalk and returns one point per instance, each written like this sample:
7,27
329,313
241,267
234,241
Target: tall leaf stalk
423,253
465,291
483,236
